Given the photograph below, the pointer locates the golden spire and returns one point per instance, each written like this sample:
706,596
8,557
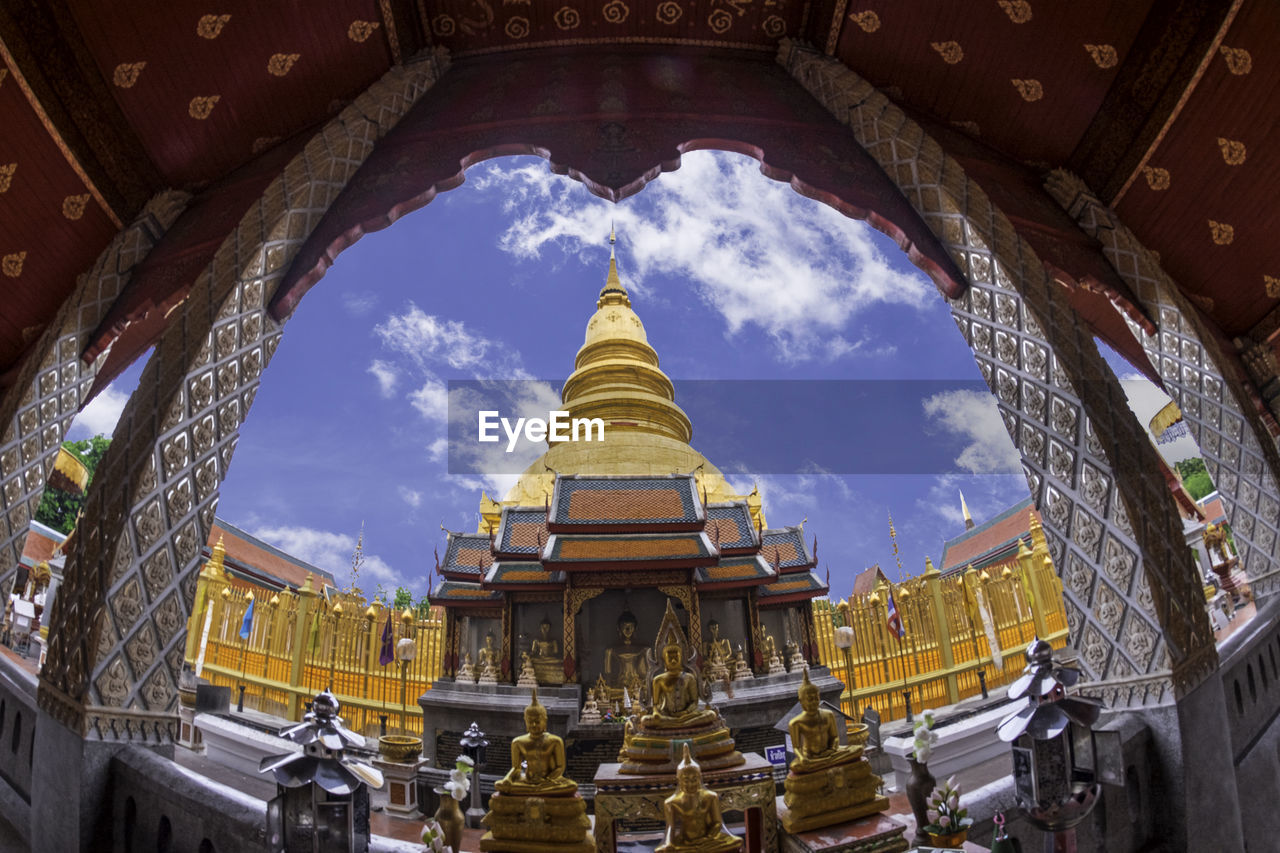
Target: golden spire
893,537
964,508
616,376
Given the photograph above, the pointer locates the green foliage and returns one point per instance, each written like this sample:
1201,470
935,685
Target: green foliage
403,600
1195,478
59,509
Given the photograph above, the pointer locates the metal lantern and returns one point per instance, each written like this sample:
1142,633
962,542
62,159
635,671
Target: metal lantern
1055,750
323,800
474,747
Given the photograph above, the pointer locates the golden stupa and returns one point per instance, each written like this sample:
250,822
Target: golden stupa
617,378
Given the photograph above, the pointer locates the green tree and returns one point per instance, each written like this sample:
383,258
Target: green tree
59,509
403,600
1195,478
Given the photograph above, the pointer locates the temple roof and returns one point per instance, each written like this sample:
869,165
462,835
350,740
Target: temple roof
729,526
735,571
522,530
993,540
460,593
625,504
655,550
785,548
794,587
509,575
467,555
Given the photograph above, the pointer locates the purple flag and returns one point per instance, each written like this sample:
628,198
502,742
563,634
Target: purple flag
387,655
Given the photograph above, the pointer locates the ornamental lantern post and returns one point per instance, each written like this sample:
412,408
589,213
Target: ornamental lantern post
1058,758
474,746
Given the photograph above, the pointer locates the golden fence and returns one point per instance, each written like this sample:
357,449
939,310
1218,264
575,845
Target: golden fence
300,643
956,627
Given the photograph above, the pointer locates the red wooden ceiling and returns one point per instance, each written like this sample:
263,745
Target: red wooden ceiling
1218,164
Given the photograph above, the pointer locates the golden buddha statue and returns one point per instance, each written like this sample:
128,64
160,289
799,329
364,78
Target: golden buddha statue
692,813
675,695
537,758
624,660
716,648
827,783
545,651
487,655
534,808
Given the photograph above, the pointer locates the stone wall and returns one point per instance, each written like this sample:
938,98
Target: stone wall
17,744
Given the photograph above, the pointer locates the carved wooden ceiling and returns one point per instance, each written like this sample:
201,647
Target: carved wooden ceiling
1166,109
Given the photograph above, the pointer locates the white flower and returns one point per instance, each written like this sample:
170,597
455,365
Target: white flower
433,836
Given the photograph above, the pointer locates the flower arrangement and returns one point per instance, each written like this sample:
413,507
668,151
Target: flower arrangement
433,836
459,784
925,738
946,818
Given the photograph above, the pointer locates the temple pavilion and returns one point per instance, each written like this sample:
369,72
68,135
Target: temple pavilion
567,579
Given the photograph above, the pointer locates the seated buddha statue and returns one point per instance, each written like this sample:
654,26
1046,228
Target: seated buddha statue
487,655
534,807
827,783
716,648
545,652
692,813
537,759
624,660
814,736
675,695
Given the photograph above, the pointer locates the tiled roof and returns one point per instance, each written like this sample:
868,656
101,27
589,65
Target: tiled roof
729,524
735,571
459,592
40,544
520,573
864,582
986,540
467,554
523,530
799,585
623,502
625,547
785,549
1215,511
256,557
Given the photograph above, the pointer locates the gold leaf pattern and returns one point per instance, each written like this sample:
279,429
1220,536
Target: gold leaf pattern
210,26
615,11
262,143
869,21
950,51
1104,55
1030,90
11,264
969,127
4,72
1157,178
774,27
669,12
359,31
1221,232
720,21
6,176
567,18
126,74
281,64
1239,61
443,25
1272,285
1203,302
73,206
1233,151
517,27
201,107
1019,11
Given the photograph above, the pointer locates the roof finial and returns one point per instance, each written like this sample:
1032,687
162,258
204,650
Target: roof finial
964,508
613,292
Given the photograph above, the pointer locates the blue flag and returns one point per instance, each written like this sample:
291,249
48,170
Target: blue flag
247,624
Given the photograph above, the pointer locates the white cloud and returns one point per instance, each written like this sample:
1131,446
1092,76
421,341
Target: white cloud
756,251
330,551
437,449
359,304
975,416
431,400
387,376
410,496
100,416
426,339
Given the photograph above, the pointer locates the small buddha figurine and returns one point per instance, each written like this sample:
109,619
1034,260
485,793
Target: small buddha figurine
741,670
601,691
772,659
537,758
545,649
675,695
527,676
795,660
590,715
466,672
692,813
814,735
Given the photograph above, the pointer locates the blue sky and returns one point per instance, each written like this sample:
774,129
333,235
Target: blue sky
735,277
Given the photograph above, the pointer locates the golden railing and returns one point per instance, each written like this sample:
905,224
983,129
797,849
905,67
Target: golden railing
950,624
300,643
